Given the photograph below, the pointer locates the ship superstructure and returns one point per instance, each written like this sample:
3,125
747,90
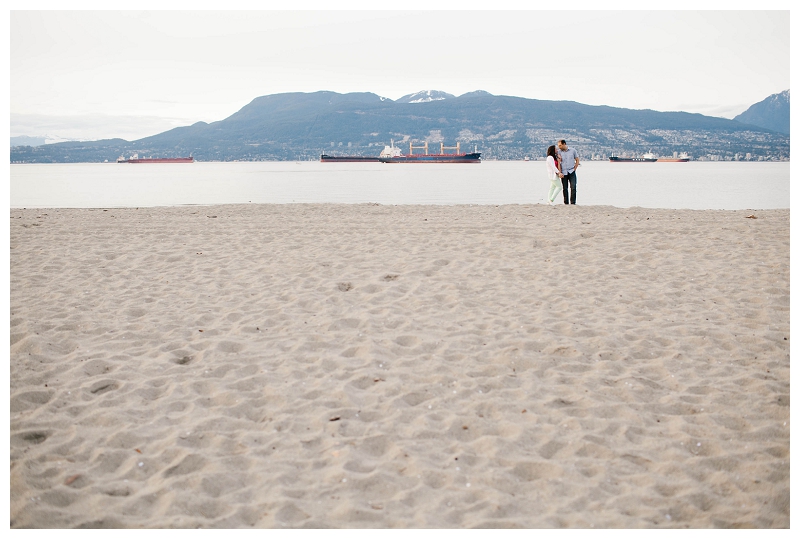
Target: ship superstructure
392,154
136,159
649,157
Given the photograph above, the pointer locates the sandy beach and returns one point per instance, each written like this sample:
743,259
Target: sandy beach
368,366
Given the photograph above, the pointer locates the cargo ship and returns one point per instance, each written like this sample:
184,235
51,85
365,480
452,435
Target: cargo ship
136,159
650,158
682,158
324,158
646,158
391,154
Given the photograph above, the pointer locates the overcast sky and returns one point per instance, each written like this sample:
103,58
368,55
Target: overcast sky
100,74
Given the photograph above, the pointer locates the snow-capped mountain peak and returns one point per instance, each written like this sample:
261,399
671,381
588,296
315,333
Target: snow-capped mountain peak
425,96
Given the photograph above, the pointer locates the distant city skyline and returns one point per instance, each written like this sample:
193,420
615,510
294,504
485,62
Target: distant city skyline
102,74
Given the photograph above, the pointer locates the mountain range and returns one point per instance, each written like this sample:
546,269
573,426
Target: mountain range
301,126
772,113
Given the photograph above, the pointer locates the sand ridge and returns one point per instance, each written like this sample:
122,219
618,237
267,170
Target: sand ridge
399,366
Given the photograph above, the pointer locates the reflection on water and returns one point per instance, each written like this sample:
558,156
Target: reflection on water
693,185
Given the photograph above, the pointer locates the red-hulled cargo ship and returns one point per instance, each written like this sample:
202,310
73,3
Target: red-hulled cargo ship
136,159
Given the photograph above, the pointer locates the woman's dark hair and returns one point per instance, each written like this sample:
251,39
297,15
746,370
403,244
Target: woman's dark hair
551,151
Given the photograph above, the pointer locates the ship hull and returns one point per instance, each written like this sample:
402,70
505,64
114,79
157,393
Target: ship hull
159,160
632,160
672,160
434,158
347,159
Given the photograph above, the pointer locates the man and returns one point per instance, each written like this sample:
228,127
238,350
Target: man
569,162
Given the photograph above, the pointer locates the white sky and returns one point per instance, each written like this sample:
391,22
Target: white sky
101,74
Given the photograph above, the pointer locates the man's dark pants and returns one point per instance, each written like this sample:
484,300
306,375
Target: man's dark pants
570,180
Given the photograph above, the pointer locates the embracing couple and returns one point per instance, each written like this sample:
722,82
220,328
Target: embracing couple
561,165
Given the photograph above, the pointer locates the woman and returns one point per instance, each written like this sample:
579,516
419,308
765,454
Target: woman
554,173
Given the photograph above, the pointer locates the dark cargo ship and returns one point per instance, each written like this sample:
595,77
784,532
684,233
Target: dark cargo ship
324,158
435,158
682,158
136,159
647,158
650,158
390,154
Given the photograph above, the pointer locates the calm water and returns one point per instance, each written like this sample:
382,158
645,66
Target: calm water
693,185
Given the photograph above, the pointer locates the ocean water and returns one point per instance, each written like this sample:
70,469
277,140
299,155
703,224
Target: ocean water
692,185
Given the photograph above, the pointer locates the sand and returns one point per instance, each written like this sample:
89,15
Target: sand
353,366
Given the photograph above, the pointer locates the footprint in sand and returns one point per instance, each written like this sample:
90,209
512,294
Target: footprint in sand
28,438
185,360
407,340
29,400
416,397
352,352
190,463
359,466
291,514
371,289
550,448
565,351
345,323
103,386
375,446
97,366
364,382
230,347
531,471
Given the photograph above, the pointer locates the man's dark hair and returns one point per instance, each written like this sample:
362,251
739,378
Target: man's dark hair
562,141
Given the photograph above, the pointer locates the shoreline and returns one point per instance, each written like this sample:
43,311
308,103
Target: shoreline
411,366
387,205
